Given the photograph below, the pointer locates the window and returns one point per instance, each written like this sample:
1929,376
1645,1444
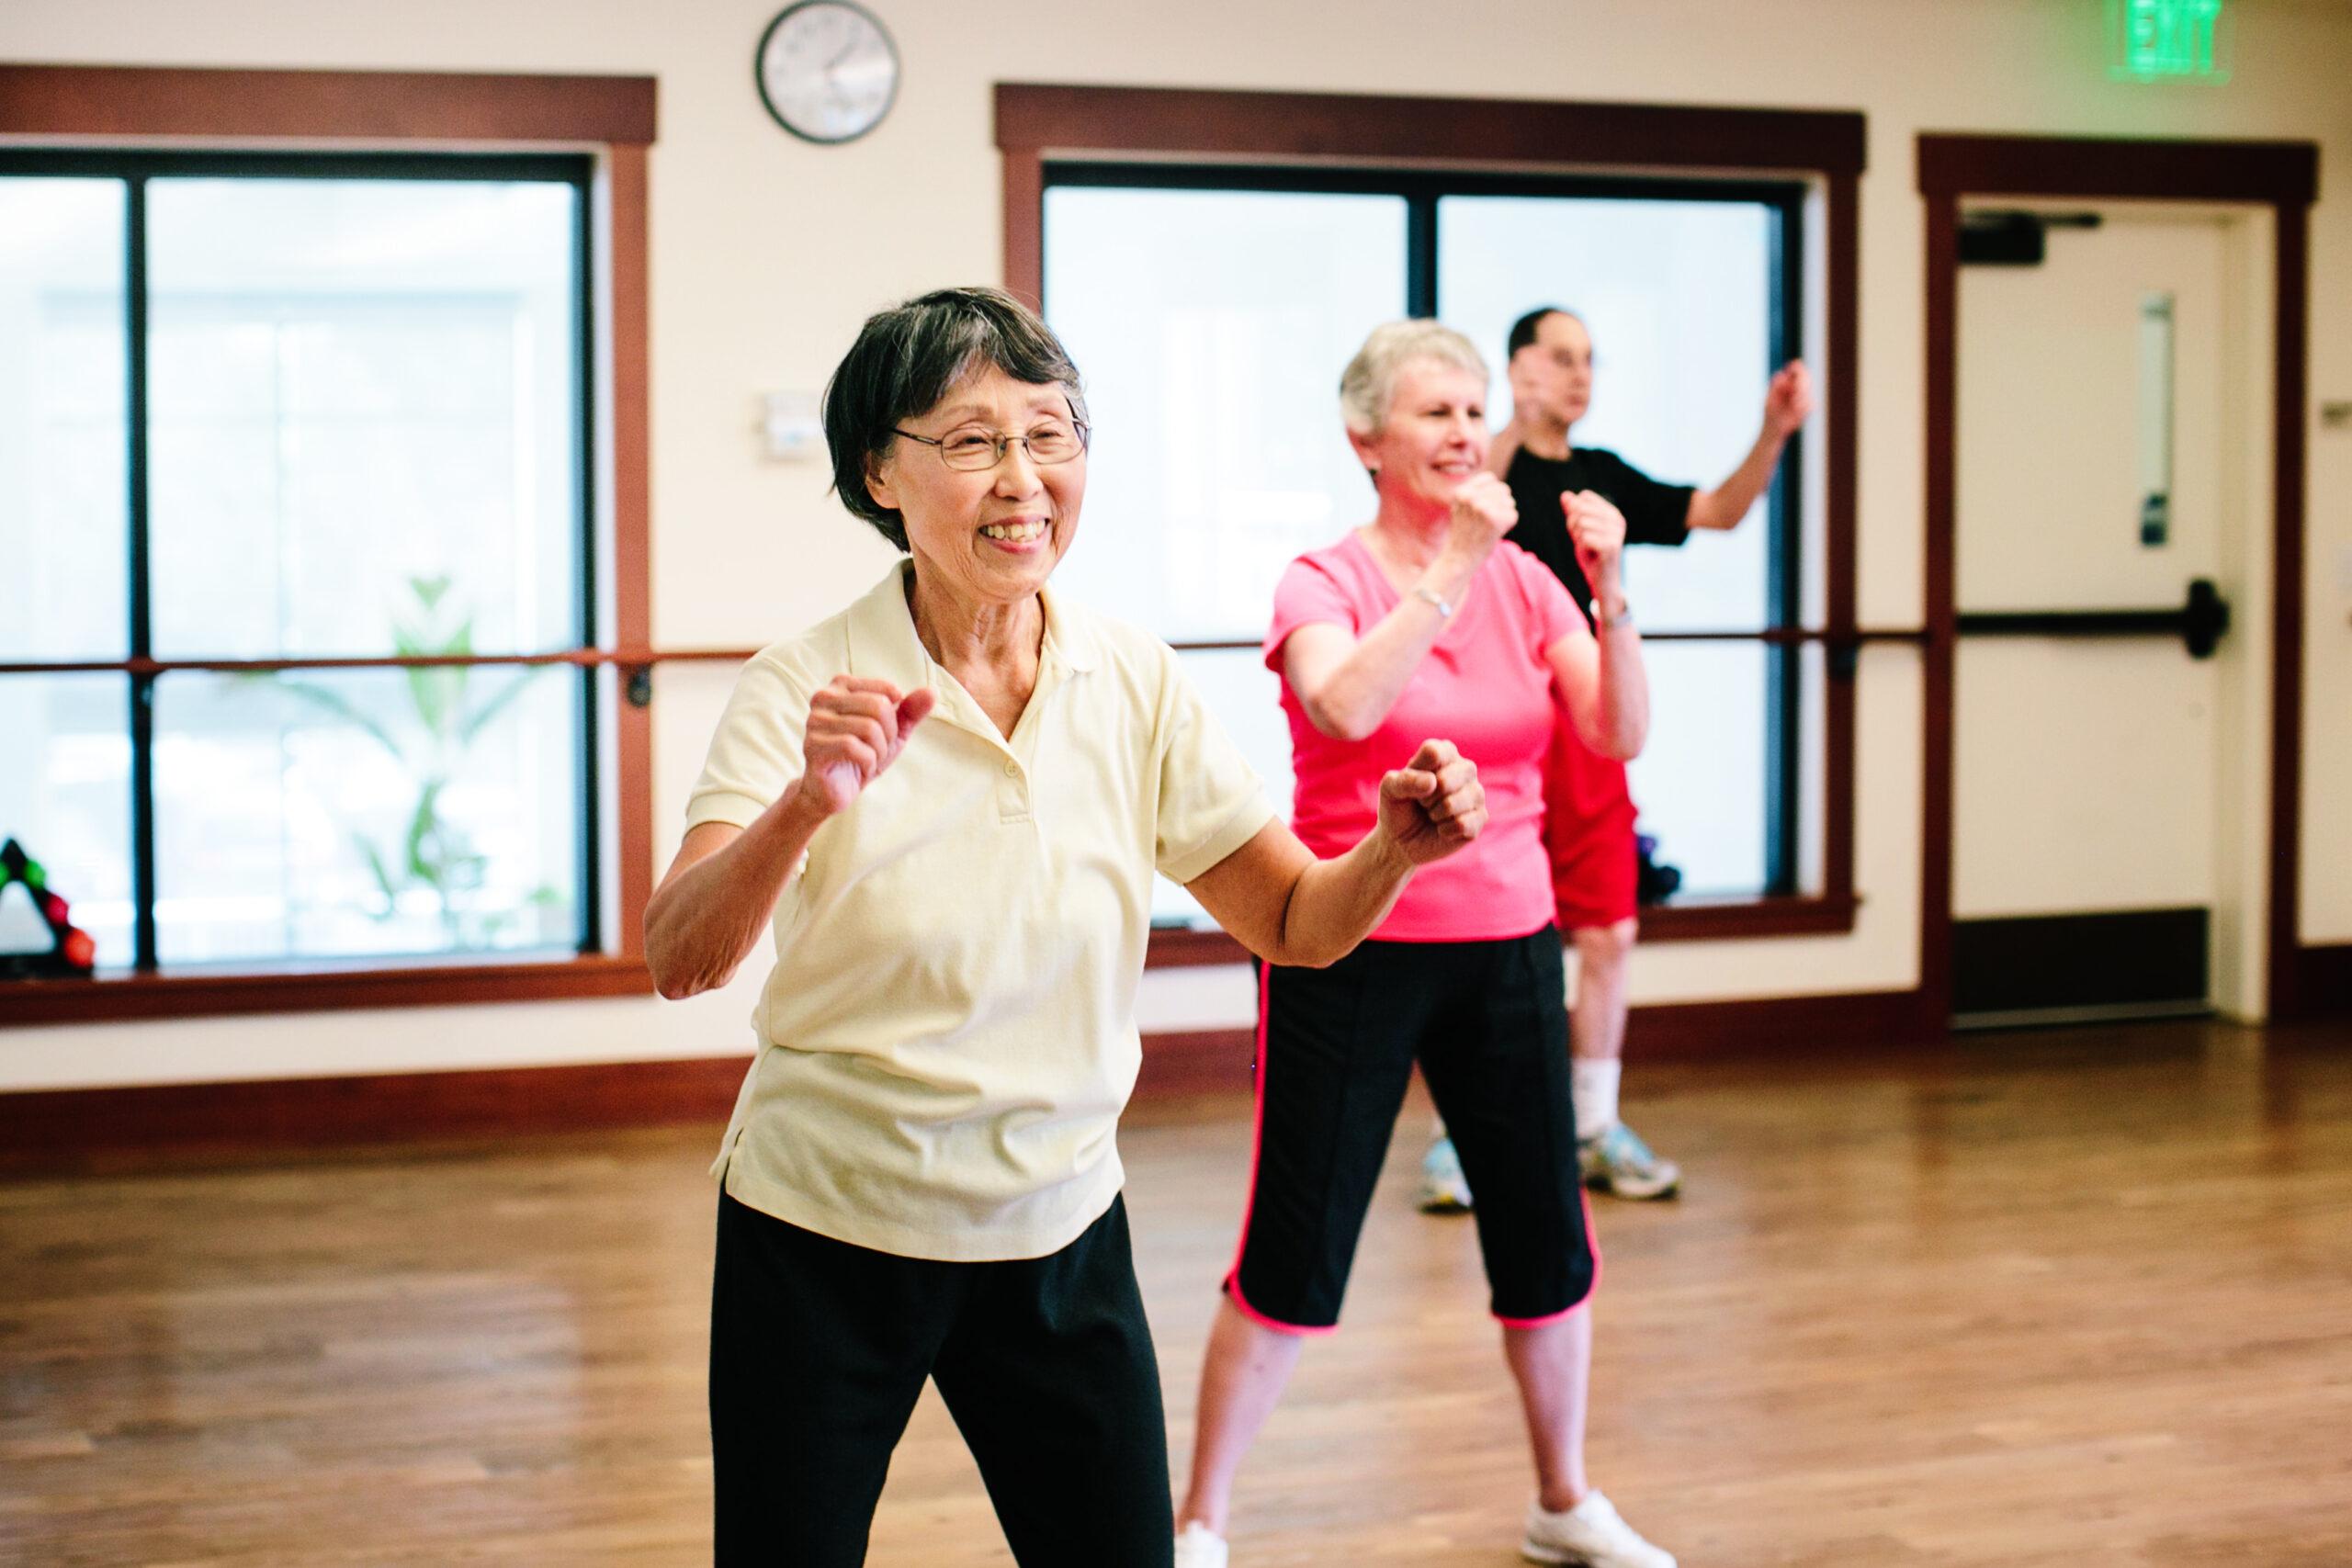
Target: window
354,433
1445,157
321,500
1210,326
1211,310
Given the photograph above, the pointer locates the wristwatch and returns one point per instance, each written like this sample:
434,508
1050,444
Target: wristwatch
1431,597
1602,620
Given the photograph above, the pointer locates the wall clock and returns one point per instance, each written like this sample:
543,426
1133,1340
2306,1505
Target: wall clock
827,69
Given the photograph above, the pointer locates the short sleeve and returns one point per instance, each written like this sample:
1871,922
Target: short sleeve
755,754
1554,613
1210,802
1307,594
1655,513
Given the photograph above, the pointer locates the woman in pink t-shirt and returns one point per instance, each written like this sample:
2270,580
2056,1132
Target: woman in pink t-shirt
1423,622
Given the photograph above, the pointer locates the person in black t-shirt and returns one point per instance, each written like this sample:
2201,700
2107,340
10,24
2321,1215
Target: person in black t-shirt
1589,816
1655,513
1551,384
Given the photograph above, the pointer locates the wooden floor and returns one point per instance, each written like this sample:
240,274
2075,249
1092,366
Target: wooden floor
2071,1298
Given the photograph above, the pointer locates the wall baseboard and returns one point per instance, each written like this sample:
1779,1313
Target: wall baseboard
87,1131
2323,984
1201,1061
2155,958
147,1125
1853,1025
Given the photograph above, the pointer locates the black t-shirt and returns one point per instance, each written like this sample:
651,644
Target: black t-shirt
1655,513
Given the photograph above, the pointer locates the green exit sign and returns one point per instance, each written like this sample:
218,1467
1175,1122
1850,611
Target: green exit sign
2151,40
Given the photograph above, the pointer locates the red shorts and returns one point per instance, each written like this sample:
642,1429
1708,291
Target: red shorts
1589,832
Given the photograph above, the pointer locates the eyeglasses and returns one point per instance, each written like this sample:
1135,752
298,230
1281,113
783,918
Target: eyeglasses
974,449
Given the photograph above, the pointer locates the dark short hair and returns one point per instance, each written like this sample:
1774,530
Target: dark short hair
908,358
1522,331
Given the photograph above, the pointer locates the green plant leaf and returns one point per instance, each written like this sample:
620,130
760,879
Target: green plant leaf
383,875
423,827
438,693
500,700
335,703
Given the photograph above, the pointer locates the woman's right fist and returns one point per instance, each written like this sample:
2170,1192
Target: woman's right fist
1596,529
857,726
1484,512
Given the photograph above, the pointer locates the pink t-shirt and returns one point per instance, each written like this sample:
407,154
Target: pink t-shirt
1485,686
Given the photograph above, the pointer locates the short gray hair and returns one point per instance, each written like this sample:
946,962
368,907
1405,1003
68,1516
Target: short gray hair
1368,382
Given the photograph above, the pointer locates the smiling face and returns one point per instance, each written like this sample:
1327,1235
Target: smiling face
988,536
1432,437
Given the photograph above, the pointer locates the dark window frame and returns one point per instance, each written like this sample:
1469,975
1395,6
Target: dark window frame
288,119
1042,124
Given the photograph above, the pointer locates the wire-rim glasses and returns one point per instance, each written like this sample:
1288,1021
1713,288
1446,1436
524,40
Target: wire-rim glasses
972,449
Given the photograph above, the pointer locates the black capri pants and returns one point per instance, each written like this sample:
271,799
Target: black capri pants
1488,1022
819,1350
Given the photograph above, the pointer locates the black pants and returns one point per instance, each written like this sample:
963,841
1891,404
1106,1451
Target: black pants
819,1350
1488,1022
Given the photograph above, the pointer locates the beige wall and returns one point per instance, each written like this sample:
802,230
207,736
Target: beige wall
766,254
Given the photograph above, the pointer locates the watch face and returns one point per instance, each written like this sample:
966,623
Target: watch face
827,70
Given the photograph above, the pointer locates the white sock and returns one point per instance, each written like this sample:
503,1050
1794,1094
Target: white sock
1592,1086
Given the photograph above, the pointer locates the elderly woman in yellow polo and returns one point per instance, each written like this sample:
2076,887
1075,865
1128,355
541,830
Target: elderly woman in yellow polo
948,802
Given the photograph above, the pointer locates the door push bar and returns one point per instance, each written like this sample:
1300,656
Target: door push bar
2200,623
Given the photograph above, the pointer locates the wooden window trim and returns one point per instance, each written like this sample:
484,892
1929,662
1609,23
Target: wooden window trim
613,117
315,109
1036,121
302,987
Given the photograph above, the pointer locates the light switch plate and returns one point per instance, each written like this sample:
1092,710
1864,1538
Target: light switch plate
790,430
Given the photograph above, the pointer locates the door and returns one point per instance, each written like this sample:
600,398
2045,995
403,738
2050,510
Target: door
2100,541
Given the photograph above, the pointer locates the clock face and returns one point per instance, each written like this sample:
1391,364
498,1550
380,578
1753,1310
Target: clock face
827,70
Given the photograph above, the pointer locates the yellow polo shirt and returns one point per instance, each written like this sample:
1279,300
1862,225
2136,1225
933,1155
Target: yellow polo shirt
948,1036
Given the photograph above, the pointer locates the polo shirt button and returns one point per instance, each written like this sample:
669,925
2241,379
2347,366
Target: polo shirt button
1012,770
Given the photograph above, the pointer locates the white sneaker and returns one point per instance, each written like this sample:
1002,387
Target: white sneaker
1590,1534
1615,1161
1200,1547
1444,1189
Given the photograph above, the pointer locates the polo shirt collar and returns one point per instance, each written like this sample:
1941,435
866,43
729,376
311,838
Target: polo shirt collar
1068,637
883,644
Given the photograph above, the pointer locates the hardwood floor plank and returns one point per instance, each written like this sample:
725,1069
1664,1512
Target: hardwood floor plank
2079,1299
